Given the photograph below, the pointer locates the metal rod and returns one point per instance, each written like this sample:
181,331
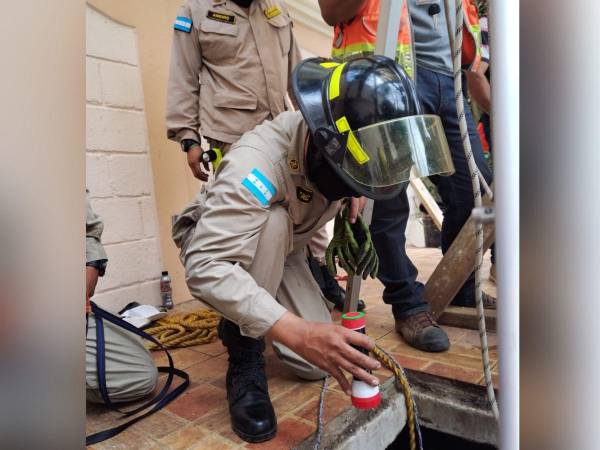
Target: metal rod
387,40
504,40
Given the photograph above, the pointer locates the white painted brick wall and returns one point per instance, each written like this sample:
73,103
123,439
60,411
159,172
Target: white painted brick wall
110,40
110,129
128,227
118,168
96,175
121,85
130,174
93,88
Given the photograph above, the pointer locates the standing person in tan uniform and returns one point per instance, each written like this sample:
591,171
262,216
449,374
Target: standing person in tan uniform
243,240
231,63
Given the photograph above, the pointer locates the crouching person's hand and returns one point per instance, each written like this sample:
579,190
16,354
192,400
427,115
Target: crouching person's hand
329,347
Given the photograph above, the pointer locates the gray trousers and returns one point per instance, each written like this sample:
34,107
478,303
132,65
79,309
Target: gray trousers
291,283
130,371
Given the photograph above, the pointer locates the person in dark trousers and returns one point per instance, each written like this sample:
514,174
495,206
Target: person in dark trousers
423,49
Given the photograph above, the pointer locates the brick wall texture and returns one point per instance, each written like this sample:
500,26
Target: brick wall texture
118,168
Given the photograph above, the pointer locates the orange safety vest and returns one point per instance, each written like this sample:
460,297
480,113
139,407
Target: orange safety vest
358,35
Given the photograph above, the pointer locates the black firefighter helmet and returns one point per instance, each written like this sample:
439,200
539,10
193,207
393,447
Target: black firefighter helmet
366,120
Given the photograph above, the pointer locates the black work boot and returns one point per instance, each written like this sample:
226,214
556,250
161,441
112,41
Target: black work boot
252,415
334,292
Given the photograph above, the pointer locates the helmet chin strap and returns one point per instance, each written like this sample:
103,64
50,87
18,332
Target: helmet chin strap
324,177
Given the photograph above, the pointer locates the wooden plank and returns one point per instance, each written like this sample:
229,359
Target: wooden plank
456,265
428,201
458,316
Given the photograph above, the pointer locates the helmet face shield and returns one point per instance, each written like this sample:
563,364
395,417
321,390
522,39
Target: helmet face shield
382,155
366,120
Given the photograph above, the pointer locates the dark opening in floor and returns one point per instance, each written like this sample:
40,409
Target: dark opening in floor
435,440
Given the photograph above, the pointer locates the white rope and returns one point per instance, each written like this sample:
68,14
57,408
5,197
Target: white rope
320,414
456,44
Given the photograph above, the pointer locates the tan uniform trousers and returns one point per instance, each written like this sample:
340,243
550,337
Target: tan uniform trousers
130,371
291,283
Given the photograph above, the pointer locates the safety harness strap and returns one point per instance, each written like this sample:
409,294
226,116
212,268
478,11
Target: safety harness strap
163,398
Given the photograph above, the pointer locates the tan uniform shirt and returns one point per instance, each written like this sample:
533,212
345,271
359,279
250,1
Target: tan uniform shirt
94,251
219,232
231,70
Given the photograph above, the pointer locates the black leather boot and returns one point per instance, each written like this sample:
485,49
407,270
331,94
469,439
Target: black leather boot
252,415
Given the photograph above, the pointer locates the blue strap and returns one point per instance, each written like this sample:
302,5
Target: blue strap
163,398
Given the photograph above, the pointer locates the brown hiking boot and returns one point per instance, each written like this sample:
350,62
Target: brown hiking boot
422,332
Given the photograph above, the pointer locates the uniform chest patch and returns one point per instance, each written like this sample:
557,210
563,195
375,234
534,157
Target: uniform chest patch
304,195
271,12
293,164
220,17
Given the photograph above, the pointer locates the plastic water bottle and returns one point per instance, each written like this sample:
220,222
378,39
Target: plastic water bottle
364,396
166,292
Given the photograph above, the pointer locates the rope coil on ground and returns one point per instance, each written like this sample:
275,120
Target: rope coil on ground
185,330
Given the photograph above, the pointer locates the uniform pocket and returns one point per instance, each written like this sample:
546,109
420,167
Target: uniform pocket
237,100
281,23
219,41
213,26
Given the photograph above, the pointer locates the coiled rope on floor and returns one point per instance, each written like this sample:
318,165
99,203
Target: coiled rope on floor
185,330
476,177
414,430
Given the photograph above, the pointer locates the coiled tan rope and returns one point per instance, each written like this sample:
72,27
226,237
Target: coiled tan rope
185,330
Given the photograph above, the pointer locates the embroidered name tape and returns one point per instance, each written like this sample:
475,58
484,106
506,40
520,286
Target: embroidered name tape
183,24
259,186
220,17
271,12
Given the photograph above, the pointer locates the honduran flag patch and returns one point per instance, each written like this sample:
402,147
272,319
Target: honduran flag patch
259,186
183,24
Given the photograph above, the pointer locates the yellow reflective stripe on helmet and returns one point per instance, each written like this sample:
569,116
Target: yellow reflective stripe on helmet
329,64
334,81
352,143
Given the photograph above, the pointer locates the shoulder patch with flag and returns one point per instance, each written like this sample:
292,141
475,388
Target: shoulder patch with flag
259,186
183,24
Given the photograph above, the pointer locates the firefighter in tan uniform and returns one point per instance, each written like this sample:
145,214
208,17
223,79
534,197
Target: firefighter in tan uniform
243,240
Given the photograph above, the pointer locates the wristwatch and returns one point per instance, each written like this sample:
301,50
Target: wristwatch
186,144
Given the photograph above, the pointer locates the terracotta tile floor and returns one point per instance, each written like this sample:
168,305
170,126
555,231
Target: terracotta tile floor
199,418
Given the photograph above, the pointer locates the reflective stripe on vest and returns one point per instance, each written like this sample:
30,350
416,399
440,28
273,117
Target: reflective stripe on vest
358,36
471,48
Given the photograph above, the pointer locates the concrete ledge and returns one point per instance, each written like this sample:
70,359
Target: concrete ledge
358,430
454,407
445,405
